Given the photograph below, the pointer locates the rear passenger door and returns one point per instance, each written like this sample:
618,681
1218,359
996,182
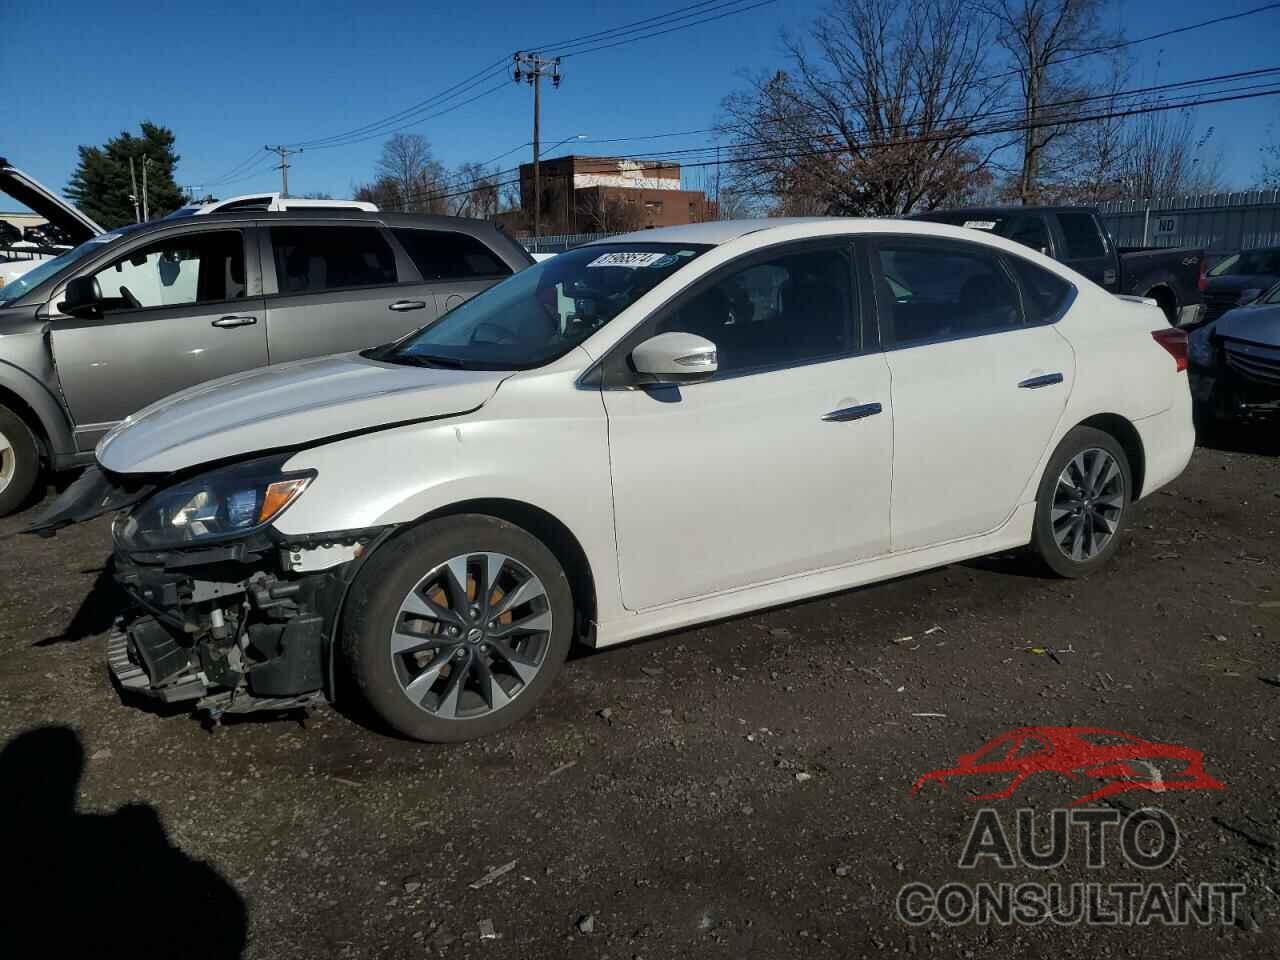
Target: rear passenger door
980,379
335,287
454,266
1086,248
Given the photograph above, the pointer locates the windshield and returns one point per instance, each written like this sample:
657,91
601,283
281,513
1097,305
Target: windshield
21,286
542,313
1250,263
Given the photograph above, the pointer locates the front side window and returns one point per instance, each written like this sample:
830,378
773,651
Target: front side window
176,271
439,255
791,309
931,291
312,259
1081,233
1030,232
540,314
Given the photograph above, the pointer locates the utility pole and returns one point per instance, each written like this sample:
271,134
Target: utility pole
284,152
146,211
133,179
530,67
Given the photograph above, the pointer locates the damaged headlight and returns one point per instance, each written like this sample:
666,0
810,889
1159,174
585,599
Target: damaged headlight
226,502
1200,346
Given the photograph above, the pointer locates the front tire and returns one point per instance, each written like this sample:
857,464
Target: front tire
1082,504
19,462
456,628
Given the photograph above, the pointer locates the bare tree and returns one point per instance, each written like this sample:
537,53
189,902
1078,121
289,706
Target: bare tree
604,212
1270,175
407,162
1164,157
875,114
1043,38
477,192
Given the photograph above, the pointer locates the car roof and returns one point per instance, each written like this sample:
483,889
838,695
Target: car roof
422,221
716,232
996,211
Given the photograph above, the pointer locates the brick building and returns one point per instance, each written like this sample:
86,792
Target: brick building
607,195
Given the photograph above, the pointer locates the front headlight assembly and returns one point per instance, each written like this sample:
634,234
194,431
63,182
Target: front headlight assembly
1200,346
224,503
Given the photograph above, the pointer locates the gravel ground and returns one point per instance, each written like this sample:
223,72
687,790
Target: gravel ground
741,789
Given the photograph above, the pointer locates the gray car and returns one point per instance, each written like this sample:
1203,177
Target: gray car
130,316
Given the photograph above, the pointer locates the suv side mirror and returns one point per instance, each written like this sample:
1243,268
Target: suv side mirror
674,358
82,298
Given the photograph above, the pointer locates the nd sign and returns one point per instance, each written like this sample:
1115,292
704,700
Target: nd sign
1166,226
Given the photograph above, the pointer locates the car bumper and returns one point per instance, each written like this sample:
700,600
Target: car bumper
1168,440
1229,395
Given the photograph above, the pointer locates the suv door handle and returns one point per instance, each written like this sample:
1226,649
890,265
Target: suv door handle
402,305
852,413
234,321
1045,380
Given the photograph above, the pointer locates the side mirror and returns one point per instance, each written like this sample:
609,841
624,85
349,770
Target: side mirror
674,358
82,298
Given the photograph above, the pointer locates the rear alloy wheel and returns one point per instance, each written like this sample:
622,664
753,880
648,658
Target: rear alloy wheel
19,461
456,628
1082,503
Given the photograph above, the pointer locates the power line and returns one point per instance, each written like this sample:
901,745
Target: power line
1249,93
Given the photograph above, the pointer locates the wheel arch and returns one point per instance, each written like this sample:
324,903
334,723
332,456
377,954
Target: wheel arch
1125,434
38,410
553,532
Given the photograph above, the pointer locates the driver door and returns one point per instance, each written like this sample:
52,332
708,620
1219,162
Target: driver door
778,465
176,311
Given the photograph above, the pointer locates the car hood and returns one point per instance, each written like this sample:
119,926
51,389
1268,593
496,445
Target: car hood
291,405
31,193
1259,324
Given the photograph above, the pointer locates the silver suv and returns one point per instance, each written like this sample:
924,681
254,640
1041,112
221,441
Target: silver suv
133,315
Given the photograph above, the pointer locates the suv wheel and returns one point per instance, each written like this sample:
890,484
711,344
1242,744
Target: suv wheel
455,629
19,461
1082,503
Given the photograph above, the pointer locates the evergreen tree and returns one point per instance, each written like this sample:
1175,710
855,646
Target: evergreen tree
101,186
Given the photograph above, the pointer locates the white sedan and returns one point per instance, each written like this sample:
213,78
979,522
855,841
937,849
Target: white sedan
637,435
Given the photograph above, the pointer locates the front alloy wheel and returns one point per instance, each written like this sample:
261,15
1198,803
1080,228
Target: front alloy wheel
455,629
471,635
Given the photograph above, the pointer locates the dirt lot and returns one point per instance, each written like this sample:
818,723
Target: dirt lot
742,789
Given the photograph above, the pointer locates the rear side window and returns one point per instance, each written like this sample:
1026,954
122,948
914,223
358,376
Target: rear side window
1044,294
1082,236
927,291
440,255
314,258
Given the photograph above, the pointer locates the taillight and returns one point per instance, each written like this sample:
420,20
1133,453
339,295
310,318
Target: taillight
1175,341
1204,273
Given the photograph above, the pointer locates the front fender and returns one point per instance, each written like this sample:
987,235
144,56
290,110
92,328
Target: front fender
42,405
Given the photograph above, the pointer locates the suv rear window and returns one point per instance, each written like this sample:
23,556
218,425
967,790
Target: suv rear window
314,258
440,255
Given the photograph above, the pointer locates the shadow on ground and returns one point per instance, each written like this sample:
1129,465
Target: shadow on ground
97,611
99,885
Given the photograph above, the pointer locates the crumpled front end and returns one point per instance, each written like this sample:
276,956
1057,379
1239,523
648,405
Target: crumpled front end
241,627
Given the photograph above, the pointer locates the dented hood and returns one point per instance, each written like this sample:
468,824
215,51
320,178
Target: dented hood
285,406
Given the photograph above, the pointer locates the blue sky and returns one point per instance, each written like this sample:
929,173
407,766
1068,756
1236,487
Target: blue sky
231,77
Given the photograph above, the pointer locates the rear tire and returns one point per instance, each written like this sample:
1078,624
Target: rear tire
1082,505
456,628
19,461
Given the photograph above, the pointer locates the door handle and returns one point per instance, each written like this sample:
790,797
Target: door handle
234,321
852,413
402,305
1044,380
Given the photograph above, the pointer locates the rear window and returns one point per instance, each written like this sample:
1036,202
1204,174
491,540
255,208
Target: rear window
440,255
1249,263
1081,233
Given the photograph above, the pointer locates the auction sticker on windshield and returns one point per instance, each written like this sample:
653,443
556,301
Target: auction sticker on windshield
627,259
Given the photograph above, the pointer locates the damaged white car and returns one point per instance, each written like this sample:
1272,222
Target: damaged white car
631,437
